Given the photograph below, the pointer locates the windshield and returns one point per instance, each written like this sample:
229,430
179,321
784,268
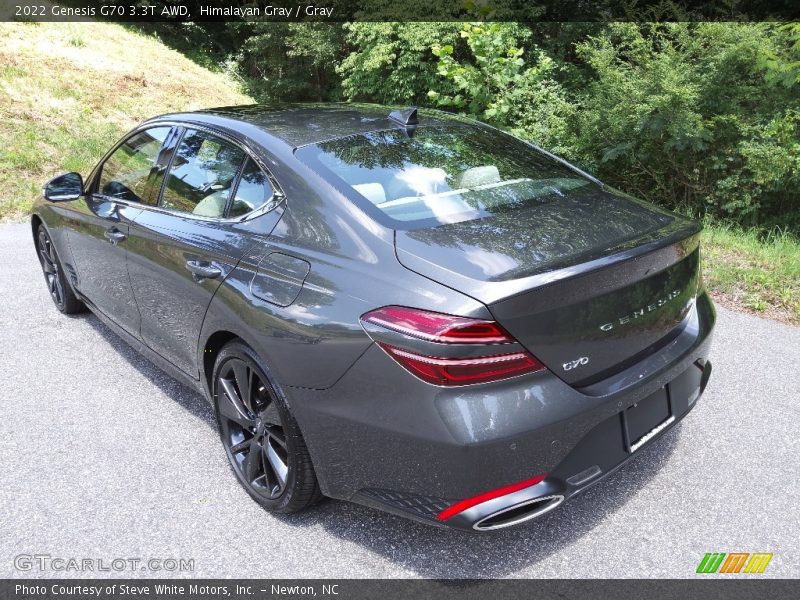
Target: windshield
439,175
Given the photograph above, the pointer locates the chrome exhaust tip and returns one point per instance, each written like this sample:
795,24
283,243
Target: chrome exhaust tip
518,513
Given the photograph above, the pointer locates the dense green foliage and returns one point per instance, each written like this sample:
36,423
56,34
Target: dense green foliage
495,81
392,63
702,117
682,114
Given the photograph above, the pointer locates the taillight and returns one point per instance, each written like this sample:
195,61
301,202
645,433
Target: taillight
440,329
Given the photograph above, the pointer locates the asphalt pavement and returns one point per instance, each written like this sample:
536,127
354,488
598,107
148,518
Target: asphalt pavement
103,457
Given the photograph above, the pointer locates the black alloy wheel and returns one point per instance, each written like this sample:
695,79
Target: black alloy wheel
260,436
60,291
47,256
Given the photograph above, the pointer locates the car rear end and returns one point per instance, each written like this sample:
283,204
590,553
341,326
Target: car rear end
594,340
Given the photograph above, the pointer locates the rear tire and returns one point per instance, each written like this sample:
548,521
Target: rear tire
57,284
261,437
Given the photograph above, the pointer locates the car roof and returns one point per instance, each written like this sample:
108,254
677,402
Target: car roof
303,124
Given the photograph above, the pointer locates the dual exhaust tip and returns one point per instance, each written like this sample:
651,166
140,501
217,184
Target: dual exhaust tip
506,506
518,513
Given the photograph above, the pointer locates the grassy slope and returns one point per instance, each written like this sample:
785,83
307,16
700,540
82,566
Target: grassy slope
752,273
69,90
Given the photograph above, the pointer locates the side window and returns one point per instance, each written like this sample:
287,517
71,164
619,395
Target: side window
127,171
253,191
203,170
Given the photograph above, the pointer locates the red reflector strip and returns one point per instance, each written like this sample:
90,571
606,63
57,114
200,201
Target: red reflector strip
464,371
485,497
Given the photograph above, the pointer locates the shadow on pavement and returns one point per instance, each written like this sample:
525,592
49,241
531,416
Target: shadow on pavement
186,397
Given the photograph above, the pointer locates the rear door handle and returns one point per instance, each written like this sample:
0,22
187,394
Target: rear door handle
114,235
203,270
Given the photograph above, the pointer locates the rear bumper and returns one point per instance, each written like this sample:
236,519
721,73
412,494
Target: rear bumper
382,438
601,452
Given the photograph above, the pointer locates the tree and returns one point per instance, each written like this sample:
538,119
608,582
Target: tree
494,82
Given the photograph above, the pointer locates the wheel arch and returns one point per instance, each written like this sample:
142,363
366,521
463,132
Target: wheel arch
36,221
215,342
209,352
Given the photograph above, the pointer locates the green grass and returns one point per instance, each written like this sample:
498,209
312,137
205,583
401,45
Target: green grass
753,271
68,91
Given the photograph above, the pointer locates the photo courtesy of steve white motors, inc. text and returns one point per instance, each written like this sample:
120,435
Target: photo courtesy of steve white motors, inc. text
172,589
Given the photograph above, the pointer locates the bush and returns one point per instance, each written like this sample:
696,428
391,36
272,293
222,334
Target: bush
681,114
495,83
392,63
698,117
284,62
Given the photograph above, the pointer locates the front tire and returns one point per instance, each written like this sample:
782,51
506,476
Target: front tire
261,437
60,289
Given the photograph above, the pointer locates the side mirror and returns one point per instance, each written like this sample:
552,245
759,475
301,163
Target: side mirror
68,186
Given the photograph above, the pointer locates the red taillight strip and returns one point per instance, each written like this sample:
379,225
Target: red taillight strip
486,496
464,371
458,362
438,327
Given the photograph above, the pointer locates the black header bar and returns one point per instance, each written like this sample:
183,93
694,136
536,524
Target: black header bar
399,10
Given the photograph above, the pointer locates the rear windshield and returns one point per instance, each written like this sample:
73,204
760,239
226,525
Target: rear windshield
438,175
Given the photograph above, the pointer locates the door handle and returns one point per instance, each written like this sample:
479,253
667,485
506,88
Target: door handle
114,235
203,270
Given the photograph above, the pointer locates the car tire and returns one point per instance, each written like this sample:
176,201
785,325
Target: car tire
261,438
60,289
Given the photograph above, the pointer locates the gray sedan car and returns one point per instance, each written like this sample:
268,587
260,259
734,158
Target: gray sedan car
400,308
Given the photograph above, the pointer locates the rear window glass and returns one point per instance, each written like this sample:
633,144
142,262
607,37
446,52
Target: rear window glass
439,175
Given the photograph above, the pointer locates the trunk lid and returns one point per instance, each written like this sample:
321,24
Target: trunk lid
590,283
